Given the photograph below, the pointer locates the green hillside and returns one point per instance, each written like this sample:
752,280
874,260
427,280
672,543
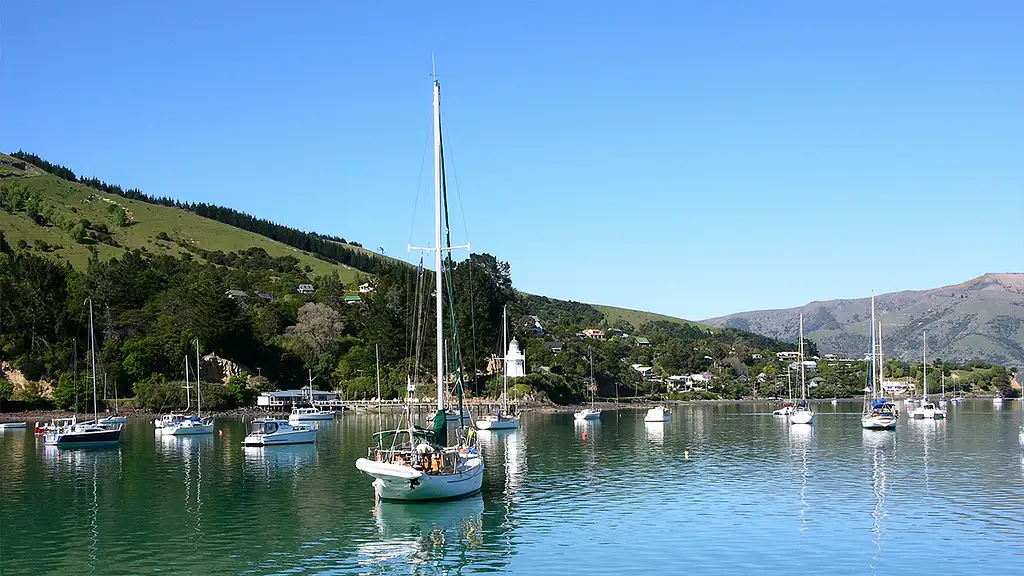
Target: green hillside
613,314
69,220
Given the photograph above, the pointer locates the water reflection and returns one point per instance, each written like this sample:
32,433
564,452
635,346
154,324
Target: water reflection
503,448
435,533
278,458
882,446
655,432
800,438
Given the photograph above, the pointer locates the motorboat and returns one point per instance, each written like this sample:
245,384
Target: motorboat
13,425
998,398
957,400
786,410
310,415
498,421
656,414
587,414
172,419
83,434
927,410
189,427
273,432
501,419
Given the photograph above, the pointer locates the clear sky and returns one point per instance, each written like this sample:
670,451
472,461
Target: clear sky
691,158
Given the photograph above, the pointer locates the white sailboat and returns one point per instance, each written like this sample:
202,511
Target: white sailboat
501,420
656,414
590,413
926,409
802,413
190,426
787,407
86,433
420,464
879,414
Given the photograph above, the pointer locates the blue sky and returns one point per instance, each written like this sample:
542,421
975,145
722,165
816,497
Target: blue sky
690,158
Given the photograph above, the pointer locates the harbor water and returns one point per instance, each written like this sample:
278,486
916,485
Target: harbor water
719,489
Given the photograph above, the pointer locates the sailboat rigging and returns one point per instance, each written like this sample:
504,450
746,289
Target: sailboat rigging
802,413
879,413
591,413
420,463
501,420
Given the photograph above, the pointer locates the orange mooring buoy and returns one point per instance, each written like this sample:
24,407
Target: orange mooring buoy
584,435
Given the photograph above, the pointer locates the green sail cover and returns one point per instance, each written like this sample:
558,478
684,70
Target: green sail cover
440,436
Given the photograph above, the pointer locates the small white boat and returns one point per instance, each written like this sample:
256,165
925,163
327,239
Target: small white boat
189,427
656,414
453,416
83,434
802,414
422,470
501,420
588,414
998,398
172,419
835,401
957,400
114,419
13,425
271,432
927,410
1020,437
498,422
310,415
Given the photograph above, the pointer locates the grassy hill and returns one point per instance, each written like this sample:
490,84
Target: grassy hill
62,205
638,317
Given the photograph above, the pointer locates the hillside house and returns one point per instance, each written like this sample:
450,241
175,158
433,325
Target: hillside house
815,382
236,294
642,341
647,372
898,386
787,356
365,288
554,347
594,333
265,296
305,289
809,366
352,299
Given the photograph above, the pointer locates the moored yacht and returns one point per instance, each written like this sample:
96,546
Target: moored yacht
656,414
802,414
310,415
13,425
880,414
926,409
590,413
501,419
272,432
193,425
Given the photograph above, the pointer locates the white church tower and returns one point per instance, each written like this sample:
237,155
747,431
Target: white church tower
515,360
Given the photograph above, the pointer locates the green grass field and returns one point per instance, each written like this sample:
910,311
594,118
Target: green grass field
638,317
71,201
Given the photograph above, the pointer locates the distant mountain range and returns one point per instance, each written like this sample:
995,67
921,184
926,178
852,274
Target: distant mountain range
981,319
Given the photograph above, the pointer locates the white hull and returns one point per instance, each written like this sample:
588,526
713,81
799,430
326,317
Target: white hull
1020,437
321,417
883,422
588,414
784,411
498,424
801,417
12,425
396,482
281,438
658,414
188,428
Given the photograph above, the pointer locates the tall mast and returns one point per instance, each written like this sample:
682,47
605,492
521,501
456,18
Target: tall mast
188,388
924,365
504,382
92,352
199,397
380,423
881,361
874,364
437,243
803,388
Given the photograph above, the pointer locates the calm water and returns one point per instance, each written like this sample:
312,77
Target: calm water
755,496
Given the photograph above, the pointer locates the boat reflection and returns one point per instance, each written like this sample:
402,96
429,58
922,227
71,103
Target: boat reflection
502,449
272,458
655,432
426,533
172,444
882,446
800,438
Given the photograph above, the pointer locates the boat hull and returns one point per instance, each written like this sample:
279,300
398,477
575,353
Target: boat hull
879,422
189,430
311,417
801,417
588,415
656,415
395,482
112,420
89,438
502,424
281,439
13,425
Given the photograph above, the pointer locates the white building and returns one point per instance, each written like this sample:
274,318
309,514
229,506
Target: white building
515,360
283,398
787,355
